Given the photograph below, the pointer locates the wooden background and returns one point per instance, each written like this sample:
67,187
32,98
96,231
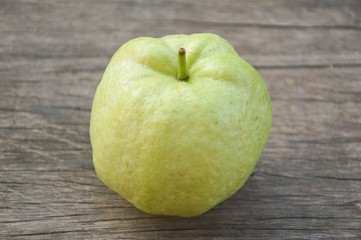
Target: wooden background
307,184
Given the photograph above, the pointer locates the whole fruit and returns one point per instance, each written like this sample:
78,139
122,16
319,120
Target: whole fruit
178,123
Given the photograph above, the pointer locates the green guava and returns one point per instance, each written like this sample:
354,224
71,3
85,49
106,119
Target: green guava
178,123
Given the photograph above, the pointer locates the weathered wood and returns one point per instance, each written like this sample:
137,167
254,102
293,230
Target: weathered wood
307,182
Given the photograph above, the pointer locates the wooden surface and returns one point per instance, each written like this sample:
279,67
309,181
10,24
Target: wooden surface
307,184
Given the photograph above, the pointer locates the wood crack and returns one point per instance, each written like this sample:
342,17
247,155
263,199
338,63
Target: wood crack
269,25
312,66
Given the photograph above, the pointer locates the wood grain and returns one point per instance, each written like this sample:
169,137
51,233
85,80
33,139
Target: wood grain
307,184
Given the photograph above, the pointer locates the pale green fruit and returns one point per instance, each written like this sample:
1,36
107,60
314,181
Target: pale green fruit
175,147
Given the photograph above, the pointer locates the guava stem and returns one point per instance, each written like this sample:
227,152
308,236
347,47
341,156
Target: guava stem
182,66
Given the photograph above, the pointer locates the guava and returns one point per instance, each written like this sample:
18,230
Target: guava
178,123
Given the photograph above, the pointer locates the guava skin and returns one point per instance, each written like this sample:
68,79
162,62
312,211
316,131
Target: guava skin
175,147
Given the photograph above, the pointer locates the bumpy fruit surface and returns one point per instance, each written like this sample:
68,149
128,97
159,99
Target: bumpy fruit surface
175,147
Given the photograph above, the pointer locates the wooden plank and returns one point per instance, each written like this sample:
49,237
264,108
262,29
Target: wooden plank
291,189
103,15
307,182
258,28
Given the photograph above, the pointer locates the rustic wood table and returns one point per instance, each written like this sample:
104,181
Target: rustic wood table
307,184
